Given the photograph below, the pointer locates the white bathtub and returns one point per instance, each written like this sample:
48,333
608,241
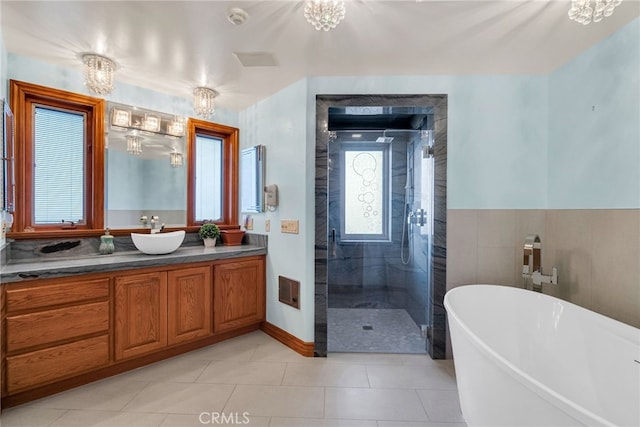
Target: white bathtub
524,358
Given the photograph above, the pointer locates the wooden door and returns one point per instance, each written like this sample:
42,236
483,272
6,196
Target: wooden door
238,295
140,314
189,313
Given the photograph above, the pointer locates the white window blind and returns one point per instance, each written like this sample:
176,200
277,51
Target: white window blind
208,178
59,150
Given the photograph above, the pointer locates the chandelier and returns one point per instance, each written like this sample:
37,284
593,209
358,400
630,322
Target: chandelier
204,101
324,14
134,144
582,12
99,71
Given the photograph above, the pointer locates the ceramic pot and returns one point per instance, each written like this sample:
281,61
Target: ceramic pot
209,242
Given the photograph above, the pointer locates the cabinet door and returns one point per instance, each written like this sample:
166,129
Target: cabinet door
238,294
189,304
140,314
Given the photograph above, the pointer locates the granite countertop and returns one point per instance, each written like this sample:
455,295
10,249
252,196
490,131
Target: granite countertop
25,270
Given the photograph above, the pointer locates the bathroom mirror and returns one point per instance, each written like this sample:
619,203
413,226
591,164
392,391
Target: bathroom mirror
145,167
252,172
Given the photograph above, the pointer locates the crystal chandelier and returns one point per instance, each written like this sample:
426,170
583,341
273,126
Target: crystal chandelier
99,71
134,144
582,12
324,14
204,101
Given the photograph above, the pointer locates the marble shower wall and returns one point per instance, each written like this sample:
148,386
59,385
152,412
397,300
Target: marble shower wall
596,251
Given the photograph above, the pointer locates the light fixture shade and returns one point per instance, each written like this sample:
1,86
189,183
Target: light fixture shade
150,123
176,127
324,14
584,13
176,159
99,72
134,144
204,101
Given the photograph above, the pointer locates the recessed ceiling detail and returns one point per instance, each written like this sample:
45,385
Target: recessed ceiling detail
256,59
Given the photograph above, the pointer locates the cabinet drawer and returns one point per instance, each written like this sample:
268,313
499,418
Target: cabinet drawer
43,327
46,295
44,366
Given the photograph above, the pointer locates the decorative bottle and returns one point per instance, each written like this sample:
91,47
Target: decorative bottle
106,243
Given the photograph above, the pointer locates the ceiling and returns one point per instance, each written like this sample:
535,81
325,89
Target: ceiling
174,46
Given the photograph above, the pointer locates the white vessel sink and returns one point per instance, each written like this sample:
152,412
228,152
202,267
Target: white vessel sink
158,243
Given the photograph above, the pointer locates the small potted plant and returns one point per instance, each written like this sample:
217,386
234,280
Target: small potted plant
209,232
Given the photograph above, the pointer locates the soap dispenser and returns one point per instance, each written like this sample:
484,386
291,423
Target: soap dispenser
106,243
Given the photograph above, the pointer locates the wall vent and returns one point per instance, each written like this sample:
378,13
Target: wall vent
289,291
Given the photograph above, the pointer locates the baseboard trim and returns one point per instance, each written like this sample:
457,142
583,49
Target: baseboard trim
291,341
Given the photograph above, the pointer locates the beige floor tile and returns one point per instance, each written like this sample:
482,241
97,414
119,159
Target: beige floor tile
79,418
180,398
111,394
274,351
423,360
177,370
412,424
29,416
243,372
333,375
366,358
437,377
373,404
281,401
233,349
441,405
311,422
214,419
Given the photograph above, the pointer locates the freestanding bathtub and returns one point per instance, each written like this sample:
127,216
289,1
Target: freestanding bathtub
524,358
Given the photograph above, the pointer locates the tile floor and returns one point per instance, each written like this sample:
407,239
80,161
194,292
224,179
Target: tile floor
391,331
256,381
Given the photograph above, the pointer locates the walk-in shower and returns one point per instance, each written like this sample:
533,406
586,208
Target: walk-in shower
380,222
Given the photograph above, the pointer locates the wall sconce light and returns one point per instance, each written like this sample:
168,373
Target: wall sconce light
176,127
134,144
150,123
204,101
176,159
99,72
120,118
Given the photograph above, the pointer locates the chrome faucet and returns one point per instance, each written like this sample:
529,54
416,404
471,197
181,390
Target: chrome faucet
532,264
155,224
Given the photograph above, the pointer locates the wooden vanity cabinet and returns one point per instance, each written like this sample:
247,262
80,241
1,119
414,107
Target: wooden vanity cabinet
54,329
140,314
238,294
160,309
61,333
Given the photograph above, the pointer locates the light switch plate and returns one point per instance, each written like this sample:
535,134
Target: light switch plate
267,225
289,226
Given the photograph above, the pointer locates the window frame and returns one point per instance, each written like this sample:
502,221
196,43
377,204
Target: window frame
385,236
230,160
24,98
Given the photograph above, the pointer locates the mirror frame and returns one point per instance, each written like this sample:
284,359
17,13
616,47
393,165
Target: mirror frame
230,151
252,159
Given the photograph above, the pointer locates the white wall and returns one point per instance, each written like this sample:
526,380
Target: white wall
594,122
280,123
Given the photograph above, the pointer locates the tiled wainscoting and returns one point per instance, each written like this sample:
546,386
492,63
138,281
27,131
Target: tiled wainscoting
596,251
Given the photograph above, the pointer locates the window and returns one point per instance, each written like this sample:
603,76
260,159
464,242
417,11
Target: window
60,160
208,161
365,184
58,150
213,173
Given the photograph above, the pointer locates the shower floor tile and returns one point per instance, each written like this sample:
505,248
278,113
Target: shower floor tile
369,330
